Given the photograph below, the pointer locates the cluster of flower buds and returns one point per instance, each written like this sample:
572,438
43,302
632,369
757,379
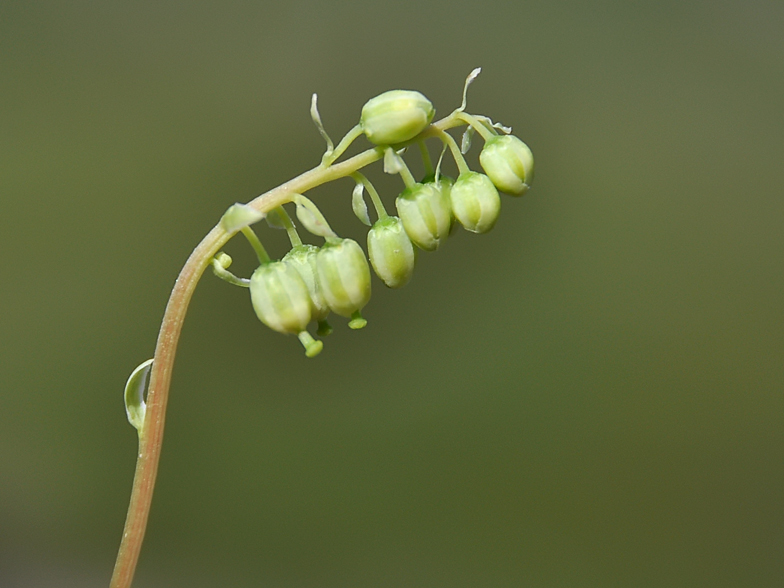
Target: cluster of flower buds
309,282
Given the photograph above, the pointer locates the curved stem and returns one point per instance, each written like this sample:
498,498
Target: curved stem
228,276
254,241
381,212
448,140
333,154
486,133
151,435
405,173
426,161
288,224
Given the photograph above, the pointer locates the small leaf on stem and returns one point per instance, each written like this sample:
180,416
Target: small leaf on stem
311,218
359,205
239,216
314,114
274,219
392,161
469,80
465,144
488,122
135,407
438,165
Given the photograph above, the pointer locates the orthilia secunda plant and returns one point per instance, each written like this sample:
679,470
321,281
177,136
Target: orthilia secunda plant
291,292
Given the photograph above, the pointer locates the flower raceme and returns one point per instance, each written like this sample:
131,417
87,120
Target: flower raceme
310,281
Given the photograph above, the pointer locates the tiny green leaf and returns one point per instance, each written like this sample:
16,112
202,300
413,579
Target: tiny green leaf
275,220
488,122
311,218
239,216
135,407
469,80
465,144
359,205
392,161
438,165
314,114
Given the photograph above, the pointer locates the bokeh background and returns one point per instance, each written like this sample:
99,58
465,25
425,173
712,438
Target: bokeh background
590,395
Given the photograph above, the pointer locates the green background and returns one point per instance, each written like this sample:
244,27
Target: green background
590,395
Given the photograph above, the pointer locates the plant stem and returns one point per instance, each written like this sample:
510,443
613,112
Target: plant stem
405,173
151,434
381,212
291,230
426,162
486,133
253,239
462,166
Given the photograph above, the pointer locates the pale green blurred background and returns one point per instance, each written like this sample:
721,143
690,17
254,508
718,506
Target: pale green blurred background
590,395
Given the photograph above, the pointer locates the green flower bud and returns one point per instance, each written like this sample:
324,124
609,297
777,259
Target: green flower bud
344,277
391,252
475,202
280,297
395,116
426,213
303,259
509,163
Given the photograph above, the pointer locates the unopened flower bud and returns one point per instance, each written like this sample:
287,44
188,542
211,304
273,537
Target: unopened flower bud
391,252
426,213
344,278
280,297
509,163
395,116
475,202
303,259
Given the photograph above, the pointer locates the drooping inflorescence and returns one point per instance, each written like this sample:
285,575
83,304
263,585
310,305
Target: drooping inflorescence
309,281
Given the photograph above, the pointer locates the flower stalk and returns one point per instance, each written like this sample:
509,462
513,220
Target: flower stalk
151,431
309,282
